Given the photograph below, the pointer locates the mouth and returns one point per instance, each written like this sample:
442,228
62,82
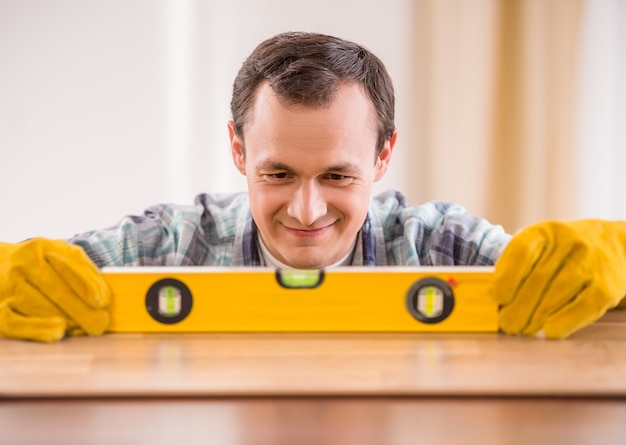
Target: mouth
308,233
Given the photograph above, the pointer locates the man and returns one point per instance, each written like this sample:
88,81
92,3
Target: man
312,130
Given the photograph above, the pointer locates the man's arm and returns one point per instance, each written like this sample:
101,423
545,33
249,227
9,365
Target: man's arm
434,234
53,288
163,235
172,235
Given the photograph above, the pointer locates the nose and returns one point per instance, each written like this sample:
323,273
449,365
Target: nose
307,204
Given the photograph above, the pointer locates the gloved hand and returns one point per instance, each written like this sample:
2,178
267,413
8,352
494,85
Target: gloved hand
557,277
49,288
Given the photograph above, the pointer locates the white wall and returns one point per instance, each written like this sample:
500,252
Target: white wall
107,107
601,125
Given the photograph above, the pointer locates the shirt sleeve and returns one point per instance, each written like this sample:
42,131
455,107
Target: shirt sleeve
437,233
164,235
458,238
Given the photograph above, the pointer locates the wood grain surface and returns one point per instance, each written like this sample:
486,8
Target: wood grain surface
317,389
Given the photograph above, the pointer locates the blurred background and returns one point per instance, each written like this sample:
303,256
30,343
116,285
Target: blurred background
515,109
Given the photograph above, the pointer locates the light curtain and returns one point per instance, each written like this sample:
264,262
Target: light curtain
496,106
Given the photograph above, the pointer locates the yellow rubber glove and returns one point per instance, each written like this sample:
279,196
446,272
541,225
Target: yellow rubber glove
557,277
49,288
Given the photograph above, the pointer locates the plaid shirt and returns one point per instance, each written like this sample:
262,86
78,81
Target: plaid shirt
219,231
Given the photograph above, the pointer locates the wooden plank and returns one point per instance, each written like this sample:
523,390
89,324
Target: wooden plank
591,362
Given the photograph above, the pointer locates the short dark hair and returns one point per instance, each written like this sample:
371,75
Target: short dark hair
308,69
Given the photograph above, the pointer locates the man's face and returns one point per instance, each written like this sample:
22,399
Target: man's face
310,172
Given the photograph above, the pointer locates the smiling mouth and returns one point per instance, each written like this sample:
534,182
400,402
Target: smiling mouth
308,233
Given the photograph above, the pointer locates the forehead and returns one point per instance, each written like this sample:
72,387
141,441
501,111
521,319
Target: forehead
349,118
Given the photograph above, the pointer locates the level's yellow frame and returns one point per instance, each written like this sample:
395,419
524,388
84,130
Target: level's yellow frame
349,299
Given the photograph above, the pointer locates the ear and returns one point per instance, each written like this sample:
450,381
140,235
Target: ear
236,149
382,161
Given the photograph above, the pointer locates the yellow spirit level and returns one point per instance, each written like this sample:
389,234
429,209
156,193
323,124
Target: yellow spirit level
348,299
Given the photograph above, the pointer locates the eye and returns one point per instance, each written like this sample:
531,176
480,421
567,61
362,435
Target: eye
278,177
338,179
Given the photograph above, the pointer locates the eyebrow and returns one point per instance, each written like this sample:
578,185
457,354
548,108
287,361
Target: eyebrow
346,167
272,165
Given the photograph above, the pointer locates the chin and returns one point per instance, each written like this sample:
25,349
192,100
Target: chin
305,265
308,263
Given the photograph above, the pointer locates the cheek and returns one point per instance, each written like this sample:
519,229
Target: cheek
265,201
353,205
